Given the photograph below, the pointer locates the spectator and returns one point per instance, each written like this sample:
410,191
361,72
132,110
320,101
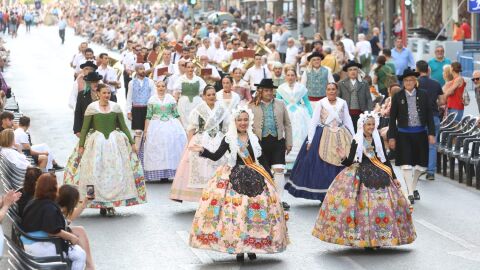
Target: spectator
283,42
69,201
41,153
389,61
5,202
330,61
349,45
453,89
28,189
42,217
384,76
7,144
476,83
435,96
398,26
291,53
458,34
375,43
363,50
340,53
256,73
437,63
6,119
467,31
402,57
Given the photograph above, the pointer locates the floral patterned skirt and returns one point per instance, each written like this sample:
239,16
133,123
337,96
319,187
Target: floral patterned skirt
355,215
231,222
112,167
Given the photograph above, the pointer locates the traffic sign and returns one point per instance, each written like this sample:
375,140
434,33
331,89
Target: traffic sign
474,6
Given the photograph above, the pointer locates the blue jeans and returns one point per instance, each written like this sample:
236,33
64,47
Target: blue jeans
459,116
432,148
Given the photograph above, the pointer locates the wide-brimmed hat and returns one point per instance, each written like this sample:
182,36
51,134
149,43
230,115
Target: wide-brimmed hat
314,54
89,64
351,64
408,72
266,83
93,77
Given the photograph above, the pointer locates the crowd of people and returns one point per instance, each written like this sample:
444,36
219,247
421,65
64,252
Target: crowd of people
225,117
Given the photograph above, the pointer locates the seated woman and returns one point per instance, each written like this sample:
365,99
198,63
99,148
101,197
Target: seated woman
28,188
68,199
240,210
365,206
42,217
7,144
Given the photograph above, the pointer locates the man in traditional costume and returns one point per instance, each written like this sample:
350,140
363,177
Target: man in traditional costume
411,129
141,88
272,126
316,78
355,92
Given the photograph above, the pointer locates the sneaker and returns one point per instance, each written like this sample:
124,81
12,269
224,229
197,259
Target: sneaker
286,206
57,167
411,199
416,195
430,176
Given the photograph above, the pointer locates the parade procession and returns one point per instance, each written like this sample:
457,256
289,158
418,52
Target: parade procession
314,134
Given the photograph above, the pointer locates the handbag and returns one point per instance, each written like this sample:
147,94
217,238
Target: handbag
465,97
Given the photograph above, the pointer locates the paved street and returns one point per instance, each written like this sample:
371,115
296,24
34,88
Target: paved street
154,235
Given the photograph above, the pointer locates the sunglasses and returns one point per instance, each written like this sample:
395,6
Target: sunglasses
475,79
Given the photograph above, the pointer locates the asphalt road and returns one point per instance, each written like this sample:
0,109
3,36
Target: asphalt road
154,235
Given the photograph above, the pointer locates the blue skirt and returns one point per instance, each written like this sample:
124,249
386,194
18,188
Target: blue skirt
311,176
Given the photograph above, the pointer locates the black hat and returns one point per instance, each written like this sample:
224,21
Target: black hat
408,73
266,83
93,77
88,64
351,64
315,54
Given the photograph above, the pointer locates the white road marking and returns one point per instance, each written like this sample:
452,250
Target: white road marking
353,263
462,242
201,254
467,254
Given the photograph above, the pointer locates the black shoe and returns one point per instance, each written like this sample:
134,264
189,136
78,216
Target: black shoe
57,167
286,206
411,199
430,176
103,211
252,256
416,195
240,257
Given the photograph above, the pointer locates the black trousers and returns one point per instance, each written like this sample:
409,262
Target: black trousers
61,33
126,80
273,151
412,149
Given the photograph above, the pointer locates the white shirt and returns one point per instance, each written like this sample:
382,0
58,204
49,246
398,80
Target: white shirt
202,51
363,47
275,39
79,57
21,137
291,55
177,87
255,75
18,159
129,104
129,60
349,46
108,74
171,70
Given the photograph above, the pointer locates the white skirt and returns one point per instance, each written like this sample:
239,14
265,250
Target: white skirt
164,145
185,107
300,119
106,164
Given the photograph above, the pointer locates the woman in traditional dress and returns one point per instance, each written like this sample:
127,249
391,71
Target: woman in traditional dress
240,211
164,136
365,206
207,127
295,96
317,162
106,158
190,86
226,96
240,86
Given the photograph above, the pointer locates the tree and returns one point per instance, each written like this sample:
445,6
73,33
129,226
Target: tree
278,8
347,15
321,18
